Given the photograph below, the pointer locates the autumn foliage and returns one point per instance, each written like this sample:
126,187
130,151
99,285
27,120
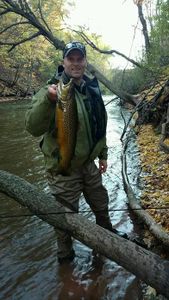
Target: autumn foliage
155,158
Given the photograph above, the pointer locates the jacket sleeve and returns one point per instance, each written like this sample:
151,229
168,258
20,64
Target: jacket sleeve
104,152
39,116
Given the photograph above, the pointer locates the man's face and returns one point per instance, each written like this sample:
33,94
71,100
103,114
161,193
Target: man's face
74,64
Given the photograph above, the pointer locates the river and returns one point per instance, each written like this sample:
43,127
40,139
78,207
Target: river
28,263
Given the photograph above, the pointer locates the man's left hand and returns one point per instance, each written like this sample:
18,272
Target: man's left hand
102,165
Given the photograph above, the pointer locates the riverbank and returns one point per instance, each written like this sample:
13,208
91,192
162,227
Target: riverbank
155,176
155,180
155,171
154,155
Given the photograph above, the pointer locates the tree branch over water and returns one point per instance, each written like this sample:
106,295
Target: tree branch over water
90,43
137,260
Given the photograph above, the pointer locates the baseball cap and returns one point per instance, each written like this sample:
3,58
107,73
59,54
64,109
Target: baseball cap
74,46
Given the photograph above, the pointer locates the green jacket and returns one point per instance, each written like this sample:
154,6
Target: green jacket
40,121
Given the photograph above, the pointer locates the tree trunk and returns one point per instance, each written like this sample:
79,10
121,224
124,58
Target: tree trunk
107,83
144,25
145,265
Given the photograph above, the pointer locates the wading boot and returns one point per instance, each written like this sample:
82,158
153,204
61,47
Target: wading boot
103,219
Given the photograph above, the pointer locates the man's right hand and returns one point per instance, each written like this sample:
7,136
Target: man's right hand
52,92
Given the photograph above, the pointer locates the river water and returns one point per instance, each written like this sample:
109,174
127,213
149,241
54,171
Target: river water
28,262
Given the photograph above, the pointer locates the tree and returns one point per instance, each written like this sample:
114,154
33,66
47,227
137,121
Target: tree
145,265
40,27
160,34
139,4
23,58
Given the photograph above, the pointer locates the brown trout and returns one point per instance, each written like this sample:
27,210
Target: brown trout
66,125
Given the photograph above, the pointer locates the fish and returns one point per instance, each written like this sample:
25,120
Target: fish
66,125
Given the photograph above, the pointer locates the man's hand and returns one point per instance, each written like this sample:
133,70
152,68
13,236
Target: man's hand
102,165
52,92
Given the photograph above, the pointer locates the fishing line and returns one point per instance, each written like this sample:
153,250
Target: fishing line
115,98
6,216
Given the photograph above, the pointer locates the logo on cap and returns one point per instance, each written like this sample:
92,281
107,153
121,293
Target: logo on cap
74,46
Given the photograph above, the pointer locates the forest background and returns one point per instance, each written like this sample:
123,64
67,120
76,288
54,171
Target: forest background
28,58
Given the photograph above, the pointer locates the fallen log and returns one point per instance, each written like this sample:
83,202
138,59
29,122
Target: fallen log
131,99
146,265
136,207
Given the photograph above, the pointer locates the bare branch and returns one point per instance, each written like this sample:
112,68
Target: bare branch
21,41
42,17
12,25
90,43
120,93
22,8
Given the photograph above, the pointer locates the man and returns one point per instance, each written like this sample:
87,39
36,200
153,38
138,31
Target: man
68,178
